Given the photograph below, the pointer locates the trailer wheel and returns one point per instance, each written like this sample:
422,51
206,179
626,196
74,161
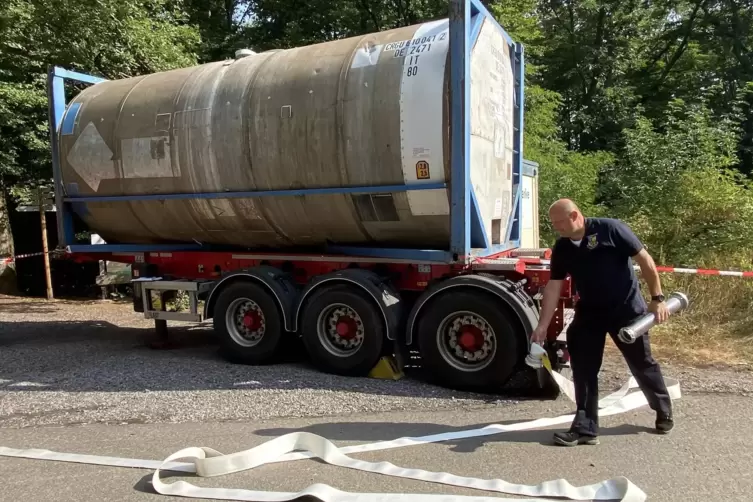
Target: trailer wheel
468,341
247,323
343,331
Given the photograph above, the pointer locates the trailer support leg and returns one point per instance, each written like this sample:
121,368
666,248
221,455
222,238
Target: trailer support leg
164,288
161,337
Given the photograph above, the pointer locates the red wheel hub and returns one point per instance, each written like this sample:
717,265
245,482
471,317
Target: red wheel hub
252,321
471,338
347,328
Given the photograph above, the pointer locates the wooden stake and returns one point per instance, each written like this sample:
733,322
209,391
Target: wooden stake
45,250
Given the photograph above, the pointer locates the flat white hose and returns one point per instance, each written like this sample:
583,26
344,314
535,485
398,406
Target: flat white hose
206,462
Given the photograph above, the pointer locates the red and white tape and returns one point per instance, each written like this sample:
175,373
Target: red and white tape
526,260
11,259
669,270
702,271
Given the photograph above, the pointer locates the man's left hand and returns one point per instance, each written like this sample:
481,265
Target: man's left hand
660,311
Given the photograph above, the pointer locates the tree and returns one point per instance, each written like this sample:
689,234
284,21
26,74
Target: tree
676,184
563,172
279,24
109,38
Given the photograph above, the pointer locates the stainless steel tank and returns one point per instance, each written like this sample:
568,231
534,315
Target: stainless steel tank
371,110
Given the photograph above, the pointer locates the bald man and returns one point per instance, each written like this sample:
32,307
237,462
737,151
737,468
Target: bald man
597,253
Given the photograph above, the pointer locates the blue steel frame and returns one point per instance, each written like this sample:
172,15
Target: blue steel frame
473,240
468,235
56,78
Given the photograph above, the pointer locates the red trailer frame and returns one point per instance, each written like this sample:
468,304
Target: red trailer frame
517,277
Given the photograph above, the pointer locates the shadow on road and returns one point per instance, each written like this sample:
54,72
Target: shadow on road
368,432
54,346
89,356
144,485
61,333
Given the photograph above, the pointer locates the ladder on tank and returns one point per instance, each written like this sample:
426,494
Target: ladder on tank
518,104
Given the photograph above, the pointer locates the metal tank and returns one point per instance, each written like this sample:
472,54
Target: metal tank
365,111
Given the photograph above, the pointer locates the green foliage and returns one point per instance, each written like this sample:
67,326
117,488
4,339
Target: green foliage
24,145
638,110
653,102
562,172
280,24
110,38
220,23
676,185
521,21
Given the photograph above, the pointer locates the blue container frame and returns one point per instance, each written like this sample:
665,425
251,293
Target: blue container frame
468,236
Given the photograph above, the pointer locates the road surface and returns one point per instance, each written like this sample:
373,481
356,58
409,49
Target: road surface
709,455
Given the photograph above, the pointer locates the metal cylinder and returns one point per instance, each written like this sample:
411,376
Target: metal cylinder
675,302
543,253
364,111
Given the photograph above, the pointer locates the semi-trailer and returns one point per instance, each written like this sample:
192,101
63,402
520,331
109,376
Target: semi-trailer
363,195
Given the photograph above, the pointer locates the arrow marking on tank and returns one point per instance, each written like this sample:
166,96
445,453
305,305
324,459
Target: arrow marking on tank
91,157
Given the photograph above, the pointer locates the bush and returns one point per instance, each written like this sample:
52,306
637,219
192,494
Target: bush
674,184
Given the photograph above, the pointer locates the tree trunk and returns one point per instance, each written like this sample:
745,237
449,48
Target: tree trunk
8,283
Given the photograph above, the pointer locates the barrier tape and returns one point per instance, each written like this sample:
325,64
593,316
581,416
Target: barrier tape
206,462
11,259
701,271
670,270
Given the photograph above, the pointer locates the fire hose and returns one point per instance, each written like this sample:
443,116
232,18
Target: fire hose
206,462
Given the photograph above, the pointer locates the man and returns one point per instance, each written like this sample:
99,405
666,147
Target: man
597,253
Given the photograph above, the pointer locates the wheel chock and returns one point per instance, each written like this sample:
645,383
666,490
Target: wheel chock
386,369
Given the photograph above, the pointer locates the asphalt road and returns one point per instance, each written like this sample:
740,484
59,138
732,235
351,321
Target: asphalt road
709,455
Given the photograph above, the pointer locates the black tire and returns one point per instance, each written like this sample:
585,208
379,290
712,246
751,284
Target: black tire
360,361
489,375
265,349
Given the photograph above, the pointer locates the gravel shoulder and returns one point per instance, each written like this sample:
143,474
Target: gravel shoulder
85,362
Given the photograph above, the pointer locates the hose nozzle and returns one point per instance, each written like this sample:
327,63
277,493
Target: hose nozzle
535,356
677,301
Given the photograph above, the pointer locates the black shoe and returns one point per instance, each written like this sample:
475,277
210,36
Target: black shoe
574,439
664,423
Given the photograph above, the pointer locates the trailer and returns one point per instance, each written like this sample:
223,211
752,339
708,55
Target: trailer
364,196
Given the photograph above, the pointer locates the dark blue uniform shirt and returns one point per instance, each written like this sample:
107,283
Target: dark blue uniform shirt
601,268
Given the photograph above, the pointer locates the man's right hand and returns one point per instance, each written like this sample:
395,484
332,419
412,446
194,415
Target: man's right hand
539,334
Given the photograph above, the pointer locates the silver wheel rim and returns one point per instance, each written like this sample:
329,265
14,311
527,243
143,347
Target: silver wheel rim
452,341
245,322
329,330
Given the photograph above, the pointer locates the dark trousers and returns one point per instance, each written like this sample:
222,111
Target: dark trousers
586,337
